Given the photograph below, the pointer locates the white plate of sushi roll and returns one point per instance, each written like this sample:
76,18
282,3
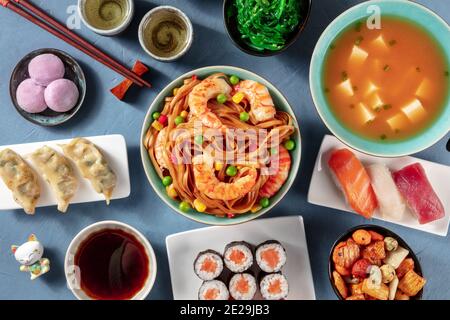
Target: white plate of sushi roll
392,207
113,158
212,262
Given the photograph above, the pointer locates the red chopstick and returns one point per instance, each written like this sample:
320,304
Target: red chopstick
81,45
82,41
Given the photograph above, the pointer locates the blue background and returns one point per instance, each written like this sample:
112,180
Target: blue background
102,113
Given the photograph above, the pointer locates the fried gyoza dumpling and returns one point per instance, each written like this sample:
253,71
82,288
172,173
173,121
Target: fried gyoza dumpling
20,178
58,172
93,165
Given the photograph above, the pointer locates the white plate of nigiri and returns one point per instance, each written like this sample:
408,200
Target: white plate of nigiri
407,191
112,147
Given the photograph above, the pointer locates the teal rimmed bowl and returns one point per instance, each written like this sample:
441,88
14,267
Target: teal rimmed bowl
404,9
280,102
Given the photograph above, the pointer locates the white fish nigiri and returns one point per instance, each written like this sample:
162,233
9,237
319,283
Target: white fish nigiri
390,201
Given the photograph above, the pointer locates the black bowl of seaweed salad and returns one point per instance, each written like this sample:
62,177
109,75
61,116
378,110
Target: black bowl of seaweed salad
265,27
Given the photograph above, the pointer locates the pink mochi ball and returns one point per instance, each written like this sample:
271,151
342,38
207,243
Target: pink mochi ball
61,95
45,68
30,96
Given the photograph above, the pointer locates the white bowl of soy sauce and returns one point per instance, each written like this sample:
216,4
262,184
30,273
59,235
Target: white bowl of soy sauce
110,260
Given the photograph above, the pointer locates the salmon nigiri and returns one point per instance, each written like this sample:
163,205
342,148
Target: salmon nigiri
354,182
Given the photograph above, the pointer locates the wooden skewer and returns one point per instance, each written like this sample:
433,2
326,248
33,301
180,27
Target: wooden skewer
82,45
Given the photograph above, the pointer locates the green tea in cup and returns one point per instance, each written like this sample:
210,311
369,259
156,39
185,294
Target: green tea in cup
105,14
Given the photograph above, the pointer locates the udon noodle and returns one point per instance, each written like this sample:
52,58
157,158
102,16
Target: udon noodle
180,143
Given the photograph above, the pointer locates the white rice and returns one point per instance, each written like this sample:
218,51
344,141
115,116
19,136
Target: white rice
270,279
263,264
237,295
204,275
246,263
223,293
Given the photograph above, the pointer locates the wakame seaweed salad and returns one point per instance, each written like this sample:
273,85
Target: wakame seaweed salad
267,24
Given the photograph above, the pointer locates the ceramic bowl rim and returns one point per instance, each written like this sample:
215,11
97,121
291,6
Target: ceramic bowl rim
81,78
266,53
113,224
189,36
383,231
315,67
107,32
223,221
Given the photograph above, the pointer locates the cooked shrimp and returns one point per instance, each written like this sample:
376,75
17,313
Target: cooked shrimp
201,94
160,146
261,103
281,162
207,182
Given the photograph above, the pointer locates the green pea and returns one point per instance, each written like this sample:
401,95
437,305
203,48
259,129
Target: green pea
156,115
199,139
179,120
244,116
273,151
289,145
184,206
167,181
222,98
234,80
231,171
264,202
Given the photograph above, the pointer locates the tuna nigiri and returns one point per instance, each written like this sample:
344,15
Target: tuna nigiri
413,184
354,182
390,201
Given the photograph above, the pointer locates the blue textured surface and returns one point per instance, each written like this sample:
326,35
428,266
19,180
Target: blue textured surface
103,114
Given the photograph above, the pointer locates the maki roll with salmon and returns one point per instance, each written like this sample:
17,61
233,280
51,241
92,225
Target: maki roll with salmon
274,286
213,290
238,256
242,286
208,265
270,256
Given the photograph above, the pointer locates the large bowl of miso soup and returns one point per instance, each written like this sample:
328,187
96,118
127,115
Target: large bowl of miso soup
380,79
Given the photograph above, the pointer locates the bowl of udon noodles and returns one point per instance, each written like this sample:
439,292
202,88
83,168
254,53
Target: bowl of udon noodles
220,145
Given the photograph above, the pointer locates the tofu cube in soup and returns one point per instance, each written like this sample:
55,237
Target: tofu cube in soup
358,56
375,102
346,88
397,122
380,44
369,88
425,89
366,114
415,111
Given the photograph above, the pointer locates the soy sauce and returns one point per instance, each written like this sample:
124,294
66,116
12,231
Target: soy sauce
113,265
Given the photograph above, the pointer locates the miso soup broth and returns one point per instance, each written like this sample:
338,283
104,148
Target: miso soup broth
386,84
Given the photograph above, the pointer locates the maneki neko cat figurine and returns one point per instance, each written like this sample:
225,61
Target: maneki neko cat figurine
29,255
